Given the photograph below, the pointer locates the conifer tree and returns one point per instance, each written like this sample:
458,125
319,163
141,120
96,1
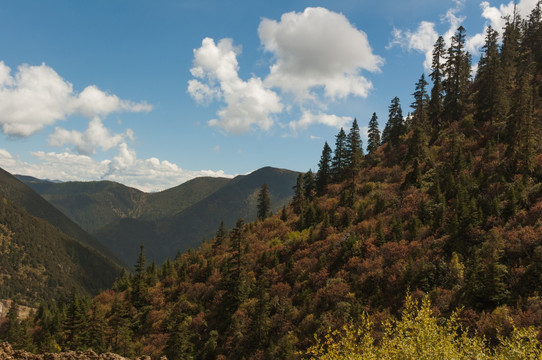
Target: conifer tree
178,345
510,54
140,292
323,175
437,73
309,185
339,157
395,126
490,102
299,195
354,150
457,73
264,203
220,235
373,136
76,324
419,116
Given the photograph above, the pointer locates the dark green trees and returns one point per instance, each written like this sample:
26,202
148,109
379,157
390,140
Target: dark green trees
395,127
323,175
373,136
339,157
264,203
490,97
354,151
437,73
457,74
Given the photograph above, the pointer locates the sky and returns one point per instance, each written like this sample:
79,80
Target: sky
154,93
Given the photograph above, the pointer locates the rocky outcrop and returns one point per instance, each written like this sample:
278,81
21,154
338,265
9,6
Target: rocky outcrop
7,353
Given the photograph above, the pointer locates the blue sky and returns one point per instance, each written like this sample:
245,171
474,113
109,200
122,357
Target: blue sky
154,93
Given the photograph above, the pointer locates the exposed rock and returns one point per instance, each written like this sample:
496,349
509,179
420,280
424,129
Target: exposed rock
7,353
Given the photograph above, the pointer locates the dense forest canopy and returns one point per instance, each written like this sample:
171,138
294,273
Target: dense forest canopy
446,205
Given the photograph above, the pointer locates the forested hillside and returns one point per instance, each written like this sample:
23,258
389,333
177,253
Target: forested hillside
446,202
38,262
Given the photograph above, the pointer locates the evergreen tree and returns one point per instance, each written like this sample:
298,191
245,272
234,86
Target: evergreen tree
457,73
264,203
354,150
373,138
323,175
419,116
299,195
339,157
490,99
13,329
309,185
178,345
76,324
121,335
395,126
220,235
139,294
510,54
437,73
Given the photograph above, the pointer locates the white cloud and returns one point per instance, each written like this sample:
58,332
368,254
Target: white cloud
36,96
308,118
248,104
86,143
318,48
422,40
144,174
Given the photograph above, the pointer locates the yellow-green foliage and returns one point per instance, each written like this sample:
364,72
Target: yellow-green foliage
419,334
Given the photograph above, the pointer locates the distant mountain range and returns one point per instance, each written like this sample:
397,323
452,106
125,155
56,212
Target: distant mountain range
123,218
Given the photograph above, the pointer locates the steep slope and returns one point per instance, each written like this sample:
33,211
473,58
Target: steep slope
96,204
39,262
188,228
20,194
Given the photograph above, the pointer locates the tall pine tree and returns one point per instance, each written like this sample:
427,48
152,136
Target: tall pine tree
457,73
323,175
373,136
354,150
339,157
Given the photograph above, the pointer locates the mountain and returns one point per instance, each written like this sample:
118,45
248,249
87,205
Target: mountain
20,194
95,204
40,262
188,228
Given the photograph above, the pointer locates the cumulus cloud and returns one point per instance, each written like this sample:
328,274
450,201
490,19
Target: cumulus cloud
422,40
308,118
144,174
318,56
86,143
318,48
36,96
248,104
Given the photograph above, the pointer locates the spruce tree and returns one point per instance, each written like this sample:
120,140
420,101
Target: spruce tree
299,195
437,73
309,185
354,150
457,73
419,116
395,126
490,97
373,136
264,203
323,175
339,156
